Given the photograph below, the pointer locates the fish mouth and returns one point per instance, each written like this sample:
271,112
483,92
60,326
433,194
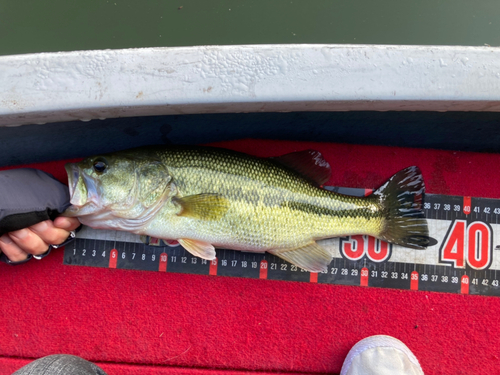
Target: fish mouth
83,192
73,176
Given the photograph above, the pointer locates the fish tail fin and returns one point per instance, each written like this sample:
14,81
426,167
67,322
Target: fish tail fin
401,200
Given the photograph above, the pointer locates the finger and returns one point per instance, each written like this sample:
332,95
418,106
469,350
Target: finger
29,242
49,233
11,250
68,223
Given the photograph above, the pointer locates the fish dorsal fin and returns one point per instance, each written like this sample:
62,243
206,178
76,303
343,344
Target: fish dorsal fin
200,249
203,206
311,257
309,163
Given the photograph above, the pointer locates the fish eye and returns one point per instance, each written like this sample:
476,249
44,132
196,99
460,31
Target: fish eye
100,165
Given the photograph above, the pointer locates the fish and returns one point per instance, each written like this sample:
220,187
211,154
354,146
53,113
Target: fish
208,198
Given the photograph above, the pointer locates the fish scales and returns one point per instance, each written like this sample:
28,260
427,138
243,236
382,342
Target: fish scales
270,207
208,197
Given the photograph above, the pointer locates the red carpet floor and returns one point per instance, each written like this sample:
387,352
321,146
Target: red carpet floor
136,322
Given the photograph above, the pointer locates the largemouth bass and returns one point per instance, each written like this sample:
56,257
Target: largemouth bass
209,198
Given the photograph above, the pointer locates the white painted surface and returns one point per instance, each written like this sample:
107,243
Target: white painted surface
50,87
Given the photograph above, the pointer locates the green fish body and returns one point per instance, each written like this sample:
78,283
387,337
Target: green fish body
209,198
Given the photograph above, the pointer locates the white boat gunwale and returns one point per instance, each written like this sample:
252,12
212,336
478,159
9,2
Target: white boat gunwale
85,85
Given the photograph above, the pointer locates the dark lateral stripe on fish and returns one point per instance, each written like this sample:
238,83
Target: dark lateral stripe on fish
362,212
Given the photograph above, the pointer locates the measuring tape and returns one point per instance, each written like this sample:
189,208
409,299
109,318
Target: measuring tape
464,259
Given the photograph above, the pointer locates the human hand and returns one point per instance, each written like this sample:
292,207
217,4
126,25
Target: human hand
30,203
36,239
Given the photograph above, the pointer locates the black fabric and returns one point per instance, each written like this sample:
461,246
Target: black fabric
4,259
18,221
29,196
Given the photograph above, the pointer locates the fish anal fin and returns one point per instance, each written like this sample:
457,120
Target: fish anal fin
203,206
200,249
309,163
311,257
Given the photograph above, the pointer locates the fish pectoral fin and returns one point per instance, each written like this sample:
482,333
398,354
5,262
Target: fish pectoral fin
311,257
203,206
201,249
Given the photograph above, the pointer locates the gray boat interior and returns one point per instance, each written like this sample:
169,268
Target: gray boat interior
461,131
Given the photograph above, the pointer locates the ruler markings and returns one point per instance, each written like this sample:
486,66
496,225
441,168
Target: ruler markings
435,269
